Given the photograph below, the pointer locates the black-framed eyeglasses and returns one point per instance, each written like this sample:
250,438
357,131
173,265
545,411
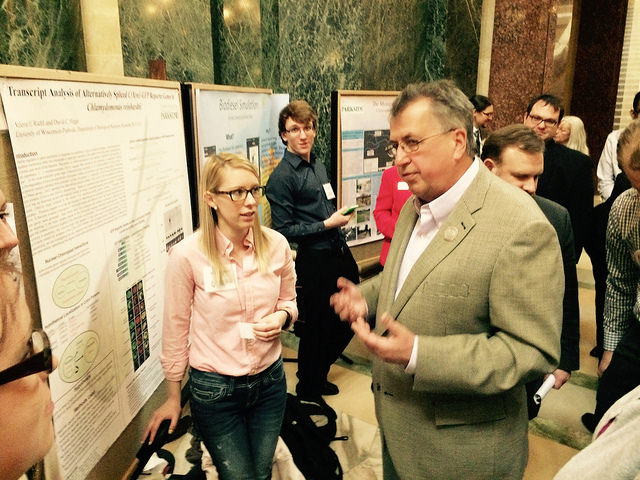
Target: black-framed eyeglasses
38,359
548,122
241,193
295,131
410,145
487,114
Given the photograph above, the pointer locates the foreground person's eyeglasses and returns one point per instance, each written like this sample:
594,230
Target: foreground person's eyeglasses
38,360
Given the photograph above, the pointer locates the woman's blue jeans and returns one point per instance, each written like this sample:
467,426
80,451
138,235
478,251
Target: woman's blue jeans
239,419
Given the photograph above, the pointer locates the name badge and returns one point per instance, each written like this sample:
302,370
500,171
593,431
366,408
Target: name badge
328,191
211,287
246,330
403,186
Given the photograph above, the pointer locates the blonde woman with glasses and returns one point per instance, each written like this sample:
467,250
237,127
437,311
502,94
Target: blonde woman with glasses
230,291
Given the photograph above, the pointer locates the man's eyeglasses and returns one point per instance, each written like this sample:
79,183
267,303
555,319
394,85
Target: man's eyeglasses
410,145
295,131
487,114
548,122
241,193
38,359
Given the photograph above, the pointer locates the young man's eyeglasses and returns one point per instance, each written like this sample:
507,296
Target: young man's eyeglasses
38,359
241,193
548,122
487,114
410,145
295,131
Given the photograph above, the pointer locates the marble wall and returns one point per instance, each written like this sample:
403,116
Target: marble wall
599,57
307,48
41,33
521,56
177,31
463,41
310,48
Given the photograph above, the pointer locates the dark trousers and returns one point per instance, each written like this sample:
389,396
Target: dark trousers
531,388
323,336
623,373
597,251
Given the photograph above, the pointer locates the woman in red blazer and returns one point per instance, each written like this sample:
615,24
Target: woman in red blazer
392,196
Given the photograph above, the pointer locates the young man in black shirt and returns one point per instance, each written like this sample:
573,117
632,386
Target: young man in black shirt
303,210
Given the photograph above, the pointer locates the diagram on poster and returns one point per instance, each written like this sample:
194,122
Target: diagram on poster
363,138
103,177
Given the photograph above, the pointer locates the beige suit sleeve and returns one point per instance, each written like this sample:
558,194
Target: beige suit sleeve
370,289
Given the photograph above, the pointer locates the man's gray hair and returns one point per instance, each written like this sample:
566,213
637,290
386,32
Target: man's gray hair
451,107
629,145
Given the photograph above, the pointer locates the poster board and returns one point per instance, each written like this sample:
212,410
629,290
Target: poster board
101,168
238,120
361,126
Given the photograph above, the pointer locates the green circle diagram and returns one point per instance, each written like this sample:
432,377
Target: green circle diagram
79,356
70,286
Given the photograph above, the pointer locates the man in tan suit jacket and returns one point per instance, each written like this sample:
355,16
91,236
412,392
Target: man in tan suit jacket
467,309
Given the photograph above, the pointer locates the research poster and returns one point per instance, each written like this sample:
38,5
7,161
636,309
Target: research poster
364,134
242,122
102,171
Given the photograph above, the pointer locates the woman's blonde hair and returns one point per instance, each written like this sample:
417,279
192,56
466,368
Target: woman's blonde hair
210,179
578,137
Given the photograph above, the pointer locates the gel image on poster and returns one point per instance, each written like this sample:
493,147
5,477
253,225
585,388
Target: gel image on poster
138,329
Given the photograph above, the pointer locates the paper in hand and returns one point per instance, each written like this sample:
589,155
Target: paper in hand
546,386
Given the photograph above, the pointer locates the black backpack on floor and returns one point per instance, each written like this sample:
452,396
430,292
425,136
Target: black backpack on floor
308,428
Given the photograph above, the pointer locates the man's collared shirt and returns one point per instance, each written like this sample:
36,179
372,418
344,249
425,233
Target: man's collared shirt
299,204
431,216
621,305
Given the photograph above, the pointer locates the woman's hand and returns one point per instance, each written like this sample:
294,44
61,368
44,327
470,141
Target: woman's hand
170,409
270,327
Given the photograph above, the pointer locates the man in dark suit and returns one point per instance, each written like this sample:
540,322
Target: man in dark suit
515,154
482,118
567,177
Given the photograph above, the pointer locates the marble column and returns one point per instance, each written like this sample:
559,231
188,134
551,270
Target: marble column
484,49
521,56
597,69
102,43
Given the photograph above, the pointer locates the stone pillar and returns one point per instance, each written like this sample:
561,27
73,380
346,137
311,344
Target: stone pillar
484,50
597,69
521,56
102,41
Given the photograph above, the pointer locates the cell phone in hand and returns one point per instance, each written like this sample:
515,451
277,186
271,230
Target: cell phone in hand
349,210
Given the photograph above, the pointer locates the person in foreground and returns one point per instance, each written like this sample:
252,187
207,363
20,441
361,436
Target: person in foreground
25,364
230,291
515,154
457,325
613,453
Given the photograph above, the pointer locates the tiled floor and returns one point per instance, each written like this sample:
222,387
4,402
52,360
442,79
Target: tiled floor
557,426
